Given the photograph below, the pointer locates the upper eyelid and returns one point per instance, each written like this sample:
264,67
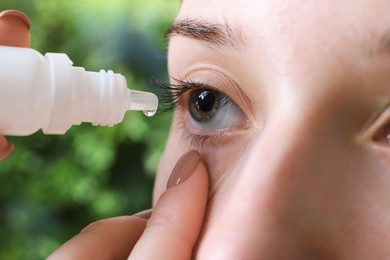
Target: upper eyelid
207,85
182,87
211,78
171,94
226,85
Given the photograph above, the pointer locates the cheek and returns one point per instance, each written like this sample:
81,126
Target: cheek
367,205
222,161
342,207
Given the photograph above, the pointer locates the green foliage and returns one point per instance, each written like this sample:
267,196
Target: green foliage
53,186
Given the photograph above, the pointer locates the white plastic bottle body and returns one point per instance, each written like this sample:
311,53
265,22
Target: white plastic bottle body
48,93
25,93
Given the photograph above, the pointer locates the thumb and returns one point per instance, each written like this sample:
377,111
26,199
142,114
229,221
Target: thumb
5,148
175,224
14,31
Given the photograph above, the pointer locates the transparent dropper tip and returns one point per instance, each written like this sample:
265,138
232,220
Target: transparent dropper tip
143,101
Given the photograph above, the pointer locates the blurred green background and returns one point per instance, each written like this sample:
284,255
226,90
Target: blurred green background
53,186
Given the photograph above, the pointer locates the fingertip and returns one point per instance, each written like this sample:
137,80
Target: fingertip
14,29
184,168
18,15
175,224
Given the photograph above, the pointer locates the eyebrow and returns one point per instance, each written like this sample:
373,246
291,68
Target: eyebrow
217,34
221,34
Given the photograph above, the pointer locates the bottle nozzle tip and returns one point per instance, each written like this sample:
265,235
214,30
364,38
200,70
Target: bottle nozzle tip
143,101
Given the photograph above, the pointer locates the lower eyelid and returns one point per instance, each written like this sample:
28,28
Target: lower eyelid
201,140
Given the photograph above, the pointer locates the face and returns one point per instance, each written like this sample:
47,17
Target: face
287,102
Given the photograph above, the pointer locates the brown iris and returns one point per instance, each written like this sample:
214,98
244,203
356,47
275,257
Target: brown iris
204,104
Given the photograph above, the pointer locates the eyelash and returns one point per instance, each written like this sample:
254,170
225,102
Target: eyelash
171,97
171,94
198,140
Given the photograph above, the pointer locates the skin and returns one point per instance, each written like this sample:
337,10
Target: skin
142,236
305,179
305,174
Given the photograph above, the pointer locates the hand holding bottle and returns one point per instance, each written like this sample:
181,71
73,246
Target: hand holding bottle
48,93
14,31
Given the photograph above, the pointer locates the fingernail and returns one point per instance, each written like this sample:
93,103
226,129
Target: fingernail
144,214
18,15
184,168
14,29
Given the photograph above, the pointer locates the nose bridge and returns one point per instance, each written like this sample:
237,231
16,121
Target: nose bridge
296,143
277,153
282,167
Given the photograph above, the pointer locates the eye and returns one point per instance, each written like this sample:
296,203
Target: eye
210,109
378,132
383,135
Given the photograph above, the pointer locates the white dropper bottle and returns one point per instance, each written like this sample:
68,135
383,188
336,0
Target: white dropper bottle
48,93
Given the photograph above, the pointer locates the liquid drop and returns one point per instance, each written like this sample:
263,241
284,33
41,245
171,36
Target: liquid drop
149,113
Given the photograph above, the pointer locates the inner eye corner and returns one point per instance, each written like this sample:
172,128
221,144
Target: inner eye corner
375,132
382,135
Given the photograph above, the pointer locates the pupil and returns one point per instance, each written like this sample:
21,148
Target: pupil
206,101
203,104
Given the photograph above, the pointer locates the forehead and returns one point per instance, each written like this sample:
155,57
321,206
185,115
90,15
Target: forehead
292,35
294,11
285,21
